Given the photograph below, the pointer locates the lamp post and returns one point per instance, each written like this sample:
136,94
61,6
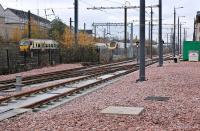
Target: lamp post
178,45
174,35
181,36
125,26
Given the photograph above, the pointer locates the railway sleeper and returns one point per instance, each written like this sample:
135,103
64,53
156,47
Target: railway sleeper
75,91
12,101
4,104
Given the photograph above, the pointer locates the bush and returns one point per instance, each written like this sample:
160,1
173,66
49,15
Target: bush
80,53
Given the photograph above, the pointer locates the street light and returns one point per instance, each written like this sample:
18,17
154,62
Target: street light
127,3
181,36
174,37
178,45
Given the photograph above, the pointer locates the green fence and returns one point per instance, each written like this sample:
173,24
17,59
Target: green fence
190,46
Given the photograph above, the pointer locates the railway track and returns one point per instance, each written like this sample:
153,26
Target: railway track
82,71
48,96
7,99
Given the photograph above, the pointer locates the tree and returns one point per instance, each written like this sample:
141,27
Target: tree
17,34
85,39
57,30
68,38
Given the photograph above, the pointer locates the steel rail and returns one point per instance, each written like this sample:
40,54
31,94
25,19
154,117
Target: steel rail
28,93
58,75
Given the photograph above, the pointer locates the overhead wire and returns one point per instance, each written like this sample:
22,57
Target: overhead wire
114,2
86,3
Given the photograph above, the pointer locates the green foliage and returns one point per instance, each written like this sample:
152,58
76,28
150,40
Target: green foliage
80,53
57,30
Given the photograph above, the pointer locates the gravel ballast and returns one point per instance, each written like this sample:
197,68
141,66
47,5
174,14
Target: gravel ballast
180,82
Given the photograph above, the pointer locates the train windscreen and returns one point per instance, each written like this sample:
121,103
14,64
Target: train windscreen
24,43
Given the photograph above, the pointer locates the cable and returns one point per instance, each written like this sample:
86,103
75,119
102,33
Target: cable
114,2
86,3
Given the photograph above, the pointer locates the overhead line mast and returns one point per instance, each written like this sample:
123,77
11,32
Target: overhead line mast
125,16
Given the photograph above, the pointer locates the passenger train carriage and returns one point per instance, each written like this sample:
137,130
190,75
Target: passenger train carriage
27,45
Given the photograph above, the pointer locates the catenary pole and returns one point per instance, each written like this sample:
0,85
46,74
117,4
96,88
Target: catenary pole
149,42
151,33
131,38
84,27
184,34
142,40
194,33
70,23
160,35
125,27
174,35
180,39
177,46
76,21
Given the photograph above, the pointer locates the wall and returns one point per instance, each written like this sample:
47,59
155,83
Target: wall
10,17
197,31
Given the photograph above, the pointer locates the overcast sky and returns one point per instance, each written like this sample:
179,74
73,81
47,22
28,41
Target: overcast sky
63,9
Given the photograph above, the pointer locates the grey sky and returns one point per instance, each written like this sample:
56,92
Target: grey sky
63,9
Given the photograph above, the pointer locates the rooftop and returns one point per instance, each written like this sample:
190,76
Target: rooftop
24,15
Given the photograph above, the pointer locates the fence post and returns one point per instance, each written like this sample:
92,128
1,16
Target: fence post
38,57
52,57
49,57
60,56
25,56
8,60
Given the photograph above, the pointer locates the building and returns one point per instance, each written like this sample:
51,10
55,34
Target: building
197,27
2,23
14,24
89,32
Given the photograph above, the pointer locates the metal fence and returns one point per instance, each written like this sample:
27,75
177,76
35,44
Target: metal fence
11,60
118,54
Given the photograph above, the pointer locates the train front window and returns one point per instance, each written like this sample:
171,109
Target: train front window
22,43
25,43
